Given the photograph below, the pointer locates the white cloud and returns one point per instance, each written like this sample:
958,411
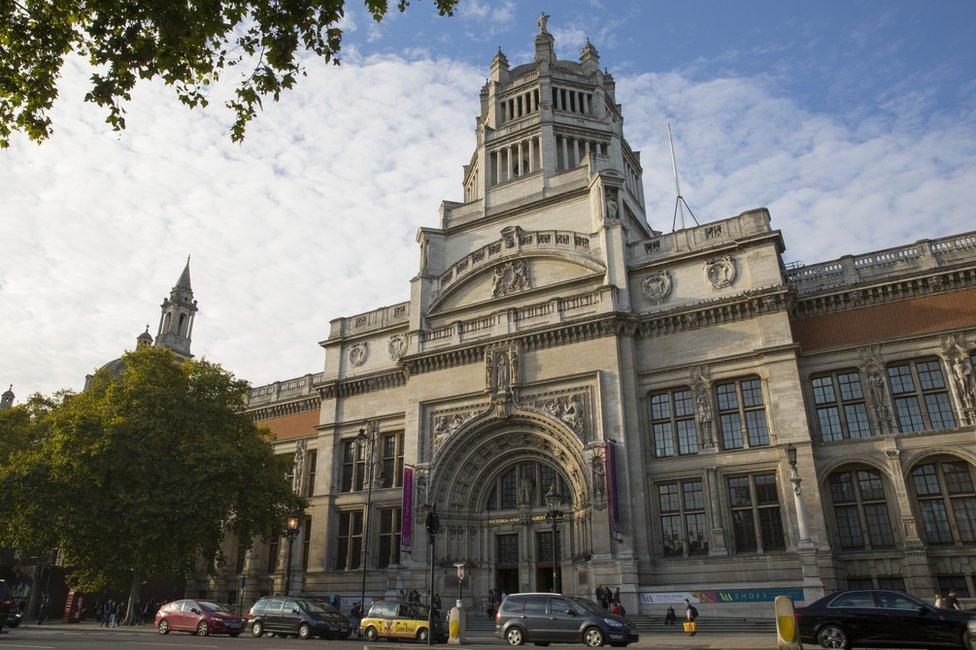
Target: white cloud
314,216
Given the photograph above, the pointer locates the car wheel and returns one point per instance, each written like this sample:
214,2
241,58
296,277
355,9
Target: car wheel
514,636
371,634
163,627
304,631
593,637
257,630
968,640
202,629
831,636
422,635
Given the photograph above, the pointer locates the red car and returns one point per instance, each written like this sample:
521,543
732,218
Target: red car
200,617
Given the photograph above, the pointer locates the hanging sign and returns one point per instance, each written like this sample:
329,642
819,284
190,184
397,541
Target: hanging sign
406,510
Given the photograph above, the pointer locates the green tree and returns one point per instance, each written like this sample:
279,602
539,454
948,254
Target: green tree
145,473
186,44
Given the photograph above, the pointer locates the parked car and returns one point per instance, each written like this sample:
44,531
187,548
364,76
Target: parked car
303,616
884,619
200,617
395,619
553,618
6,605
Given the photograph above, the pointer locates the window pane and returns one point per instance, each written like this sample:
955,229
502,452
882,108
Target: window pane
694,496
492,499
671,532
869,481
940,411
848,527
660,406
879,525
508,497
739,491
926,481
954,582
766,489
856,600
857,421
891,583
683,404
727,398
508,551
687,437
965,510
841,488
909,415
663,440
823,390
850,386
930,375
743,530
829,421
901,379
356,552
895,601
772,529
751,393
957,477
756,425
697,533
936,522
668,497
731,431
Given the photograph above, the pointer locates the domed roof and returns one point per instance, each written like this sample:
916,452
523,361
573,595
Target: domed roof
9,392
114,367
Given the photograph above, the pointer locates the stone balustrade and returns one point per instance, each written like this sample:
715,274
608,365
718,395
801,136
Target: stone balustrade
890,262
707,235
370,321
281,390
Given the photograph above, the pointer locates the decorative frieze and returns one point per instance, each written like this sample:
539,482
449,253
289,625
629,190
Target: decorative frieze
510,277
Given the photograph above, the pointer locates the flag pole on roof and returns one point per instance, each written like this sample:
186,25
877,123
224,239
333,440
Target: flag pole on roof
679,201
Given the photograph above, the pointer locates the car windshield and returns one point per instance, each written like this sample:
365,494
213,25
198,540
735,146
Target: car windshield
589,606
211,607
319,606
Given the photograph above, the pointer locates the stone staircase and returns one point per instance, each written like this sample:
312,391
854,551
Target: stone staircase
479,624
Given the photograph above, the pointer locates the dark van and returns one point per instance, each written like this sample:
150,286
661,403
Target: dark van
301,616
552,618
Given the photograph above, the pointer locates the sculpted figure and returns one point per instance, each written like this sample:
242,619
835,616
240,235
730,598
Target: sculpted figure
962,372
502,372
542,22
611,207
572,414
879,398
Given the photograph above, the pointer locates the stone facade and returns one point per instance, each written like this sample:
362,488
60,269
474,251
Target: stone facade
548,319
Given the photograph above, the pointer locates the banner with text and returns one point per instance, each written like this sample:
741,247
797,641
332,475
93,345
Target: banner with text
406,510
721,596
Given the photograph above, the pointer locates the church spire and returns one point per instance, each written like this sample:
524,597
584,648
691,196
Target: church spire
7,399
177,315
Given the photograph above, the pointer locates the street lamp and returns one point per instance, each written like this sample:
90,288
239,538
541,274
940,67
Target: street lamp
553,514
364,438
433,525
791,455
460,576
292,525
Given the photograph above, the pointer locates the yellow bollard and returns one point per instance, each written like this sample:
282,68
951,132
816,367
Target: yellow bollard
787,632
456,625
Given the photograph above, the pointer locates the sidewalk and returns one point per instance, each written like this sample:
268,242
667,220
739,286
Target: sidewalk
77,627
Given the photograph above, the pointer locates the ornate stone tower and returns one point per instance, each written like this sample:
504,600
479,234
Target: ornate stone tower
7,399
178,313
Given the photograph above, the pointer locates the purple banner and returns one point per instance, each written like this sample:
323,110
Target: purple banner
610,474
406,510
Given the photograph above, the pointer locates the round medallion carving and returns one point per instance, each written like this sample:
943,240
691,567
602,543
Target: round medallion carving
397,345
358,353
721,272
656,287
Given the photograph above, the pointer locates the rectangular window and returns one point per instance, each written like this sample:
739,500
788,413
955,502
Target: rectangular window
921,396
859,582
349,541
740,402
353,466
509,484
673,422
756,518
682,510
310,480
389,537
391,446
954,582
839,403
891,583
274,547
507,550
306,540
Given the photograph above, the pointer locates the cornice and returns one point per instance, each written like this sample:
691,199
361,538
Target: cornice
365,384
288,408
747,304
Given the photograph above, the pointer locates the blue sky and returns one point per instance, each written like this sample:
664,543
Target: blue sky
853,122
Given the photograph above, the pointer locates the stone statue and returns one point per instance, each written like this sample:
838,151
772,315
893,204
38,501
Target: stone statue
611,205
496,281
702,408
598,477
879,399
526,486
542,22
298,465
513,364
421,488
502,376
487,369
572,414
962,373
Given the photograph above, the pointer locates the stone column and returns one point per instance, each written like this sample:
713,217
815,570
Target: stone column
565,146
518,168
508,163
716,542
576,156
915,567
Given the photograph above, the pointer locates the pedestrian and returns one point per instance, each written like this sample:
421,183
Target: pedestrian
950,601
599,595
616,595
42,610
336,601
616,609
938,600
669,616
437,604
691,615
356,615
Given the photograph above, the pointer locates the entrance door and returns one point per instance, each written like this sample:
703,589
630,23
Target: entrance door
507,558
543,579
507,580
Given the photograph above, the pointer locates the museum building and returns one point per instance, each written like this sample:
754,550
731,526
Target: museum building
708,418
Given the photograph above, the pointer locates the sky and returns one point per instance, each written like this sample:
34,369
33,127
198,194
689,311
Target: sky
853,122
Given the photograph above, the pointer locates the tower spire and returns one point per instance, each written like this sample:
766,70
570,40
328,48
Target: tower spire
178,313
7,399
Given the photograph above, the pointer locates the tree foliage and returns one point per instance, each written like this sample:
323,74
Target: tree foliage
142,473
186,44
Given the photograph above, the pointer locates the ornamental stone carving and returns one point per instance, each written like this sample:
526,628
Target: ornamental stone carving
876,394
611,203
501,369
358,353
656,287
397,345
510,277
298,466
567,409
721,272
961,372
702,385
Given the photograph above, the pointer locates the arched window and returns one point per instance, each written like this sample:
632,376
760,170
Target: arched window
182,330
860,509
944,489
525,483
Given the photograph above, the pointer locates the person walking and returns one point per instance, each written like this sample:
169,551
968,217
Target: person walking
669,617
950,601
616,595
937,600
355,616
616,609
691,615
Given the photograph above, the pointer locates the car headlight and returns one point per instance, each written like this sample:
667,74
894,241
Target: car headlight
612,623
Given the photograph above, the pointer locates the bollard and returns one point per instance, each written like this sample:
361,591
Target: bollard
456,620
787,632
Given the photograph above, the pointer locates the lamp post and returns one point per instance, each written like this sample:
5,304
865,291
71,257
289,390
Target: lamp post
460,575
291,531
367,436
801,512
240,607
553,514
433,526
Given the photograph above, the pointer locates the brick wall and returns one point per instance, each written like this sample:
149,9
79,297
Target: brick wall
292,426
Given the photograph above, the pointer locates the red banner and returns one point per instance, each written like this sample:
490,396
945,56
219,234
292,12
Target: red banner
406,510
610,475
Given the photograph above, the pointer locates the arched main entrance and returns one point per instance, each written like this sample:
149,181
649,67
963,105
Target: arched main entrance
489,480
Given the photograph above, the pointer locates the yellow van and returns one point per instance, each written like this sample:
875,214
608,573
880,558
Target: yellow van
392,619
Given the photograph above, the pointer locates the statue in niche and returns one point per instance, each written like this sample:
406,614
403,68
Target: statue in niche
502,376
611,201
962,373
526,486
513,365
421,488
879,400
597,472
298,465
488,365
